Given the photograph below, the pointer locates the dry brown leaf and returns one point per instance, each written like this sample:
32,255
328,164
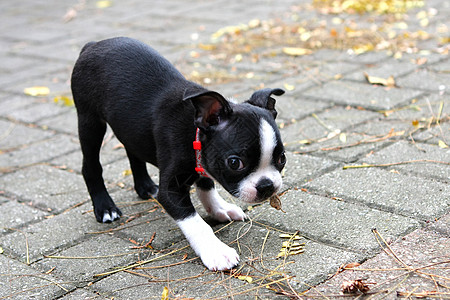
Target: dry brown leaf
388,82
275,202
353,286
352,265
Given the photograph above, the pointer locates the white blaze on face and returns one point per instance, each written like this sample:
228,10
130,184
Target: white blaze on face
265,168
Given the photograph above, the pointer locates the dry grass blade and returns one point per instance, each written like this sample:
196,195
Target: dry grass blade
138,264
395,164
91,257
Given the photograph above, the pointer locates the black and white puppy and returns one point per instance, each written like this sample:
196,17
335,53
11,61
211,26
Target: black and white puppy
157,114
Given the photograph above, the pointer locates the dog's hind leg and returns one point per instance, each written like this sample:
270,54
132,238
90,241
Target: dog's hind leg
143,184
91,130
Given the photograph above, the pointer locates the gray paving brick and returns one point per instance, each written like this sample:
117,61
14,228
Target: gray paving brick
22,282
303,168
314,129
25,72
15,135
403,151
80,294
103,253
63,122
441,226
35,34
68,50
52,234
422,109
126,286
385,69
13,64
419,198
143,228
114,172
313,72
38,152
10,102
3,199
356,142
292,106
426,79
418,249
111,151
333,221
46,187
57,81
14,214
44,109
363,94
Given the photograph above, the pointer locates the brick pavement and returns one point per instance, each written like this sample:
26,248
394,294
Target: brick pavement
52,247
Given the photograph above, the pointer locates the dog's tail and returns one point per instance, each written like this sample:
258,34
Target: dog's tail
87,46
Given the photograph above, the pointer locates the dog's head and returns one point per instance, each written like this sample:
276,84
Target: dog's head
241,144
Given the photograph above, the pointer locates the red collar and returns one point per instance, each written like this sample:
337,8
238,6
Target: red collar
198,155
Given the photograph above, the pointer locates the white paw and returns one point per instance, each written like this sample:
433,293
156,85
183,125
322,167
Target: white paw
214,254
227,212
219,257
109,217
218,208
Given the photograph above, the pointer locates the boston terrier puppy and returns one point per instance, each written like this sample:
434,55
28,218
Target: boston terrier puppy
192,134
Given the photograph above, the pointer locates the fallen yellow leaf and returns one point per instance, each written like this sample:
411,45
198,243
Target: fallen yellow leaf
103,4
442,144
37,91
207,47
289,87
360,49
165,293
67,101
296,51
245,278
289,236
126,173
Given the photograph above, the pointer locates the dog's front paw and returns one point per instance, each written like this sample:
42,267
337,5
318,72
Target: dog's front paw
219,257
227,212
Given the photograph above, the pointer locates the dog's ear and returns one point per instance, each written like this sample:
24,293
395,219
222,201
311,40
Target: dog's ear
210,107
262,99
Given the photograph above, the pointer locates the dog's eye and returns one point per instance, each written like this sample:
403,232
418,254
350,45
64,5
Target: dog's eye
235,163
282,159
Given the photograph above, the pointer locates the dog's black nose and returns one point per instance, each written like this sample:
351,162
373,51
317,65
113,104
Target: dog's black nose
265,188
